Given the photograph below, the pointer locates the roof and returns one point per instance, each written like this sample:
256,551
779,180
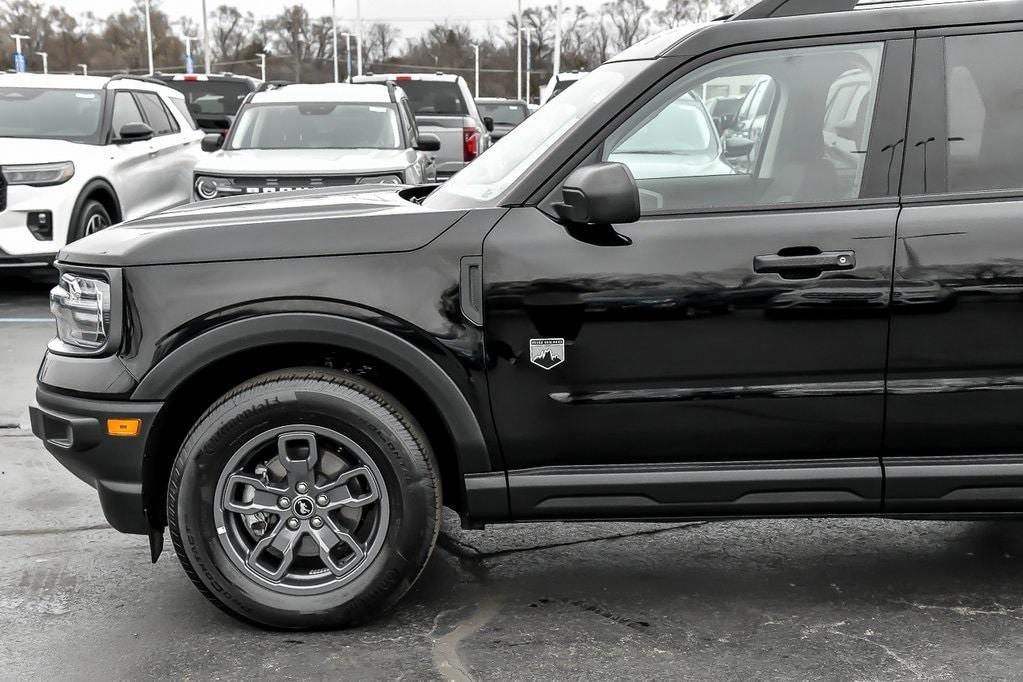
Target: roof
325,92
499,100
384,77
75,82
207,77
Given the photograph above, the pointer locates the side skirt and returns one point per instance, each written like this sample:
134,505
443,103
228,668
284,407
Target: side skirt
954,484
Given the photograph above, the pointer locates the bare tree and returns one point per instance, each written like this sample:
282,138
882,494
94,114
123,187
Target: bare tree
381,40
683,12
231,32
630,20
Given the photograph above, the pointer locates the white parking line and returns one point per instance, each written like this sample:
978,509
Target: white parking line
25,319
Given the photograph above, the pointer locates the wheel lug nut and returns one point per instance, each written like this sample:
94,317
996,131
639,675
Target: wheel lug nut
293,523
301,487
316,522
322,500
283,502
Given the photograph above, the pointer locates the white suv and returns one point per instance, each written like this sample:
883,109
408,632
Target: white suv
81,153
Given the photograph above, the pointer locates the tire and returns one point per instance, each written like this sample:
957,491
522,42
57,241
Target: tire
359,431
91,218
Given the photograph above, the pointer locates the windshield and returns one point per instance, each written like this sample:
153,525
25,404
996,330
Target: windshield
441,98
72,115
207,98
485,179
504,113
316,125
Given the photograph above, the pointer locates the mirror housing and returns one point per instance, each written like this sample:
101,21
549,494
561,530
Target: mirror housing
427,142
488,123
599,194
212,142
737,146
134,132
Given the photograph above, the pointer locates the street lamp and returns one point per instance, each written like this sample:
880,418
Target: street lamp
518,52
46,61
85,69
348,55
476,50
333,33
206,52
358,34
529,59
557,40
149,39
189,64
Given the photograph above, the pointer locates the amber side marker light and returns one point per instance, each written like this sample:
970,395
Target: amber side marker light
124,427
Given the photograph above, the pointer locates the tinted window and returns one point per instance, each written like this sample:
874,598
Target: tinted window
58,114
212,97
985,111
125,112
182,108
435,97
316,125
158,116
503,113
799,136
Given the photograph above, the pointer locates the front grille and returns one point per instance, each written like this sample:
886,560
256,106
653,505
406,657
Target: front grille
263,184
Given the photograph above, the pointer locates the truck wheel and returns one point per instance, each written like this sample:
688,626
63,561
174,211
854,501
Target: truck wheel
304,498
91,218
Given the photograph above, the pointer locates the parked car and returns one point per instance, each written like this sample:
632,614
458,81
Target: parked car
505,113
443,106
558,83
327,135
79,153
213,99
295,386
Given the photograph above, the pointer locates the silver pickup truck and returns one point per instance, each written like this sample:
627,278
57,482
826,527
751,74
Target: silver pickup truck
443,106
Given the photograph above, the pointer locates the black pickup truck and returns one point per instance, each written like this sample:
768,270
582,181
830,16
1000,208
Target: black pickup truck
616,313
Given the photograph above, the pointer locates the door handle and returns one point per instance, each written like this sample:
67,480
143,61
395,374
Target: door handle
804,261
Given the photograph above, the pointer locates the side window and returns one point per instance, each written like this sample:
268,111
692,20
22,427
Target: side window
984,93
799,136
156,113
125,112
182,107
409,121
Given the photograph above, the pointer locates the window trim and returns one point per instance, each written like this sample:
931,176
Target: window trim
112,135
892,101
170,119
931,119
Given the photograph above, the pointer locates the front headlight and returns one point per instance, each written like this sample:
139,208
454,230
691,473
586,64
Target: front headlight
81,306
207,187
39,174
380,180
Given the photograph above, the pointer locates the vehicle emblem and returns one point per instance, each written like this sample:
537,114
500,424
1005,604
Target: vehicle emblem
547,353
303,507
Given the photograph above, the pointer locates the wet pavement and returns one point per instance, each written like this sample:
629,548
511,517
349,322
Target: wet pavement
861,599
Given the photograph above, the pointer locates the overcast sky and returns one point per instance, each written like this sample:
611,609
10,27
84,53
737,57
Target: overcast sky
411,16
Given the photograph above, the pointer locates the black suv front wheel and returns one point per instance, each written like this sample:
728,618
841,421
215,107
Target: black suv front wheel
304,499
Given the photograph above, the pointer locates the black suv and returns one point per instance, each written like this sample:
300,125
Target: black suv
610,315
213,99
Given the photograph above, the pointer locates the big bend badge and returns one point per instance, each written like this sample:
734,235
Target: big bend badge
547,353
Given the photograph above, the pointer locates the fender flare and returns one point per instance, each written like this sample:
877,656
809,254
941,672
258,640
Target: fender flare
218,343
89,188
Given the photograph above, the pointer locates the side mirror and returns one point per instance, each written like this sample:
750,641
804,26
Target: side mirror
134,132
427,142
599,194
737,146
488,123
212,142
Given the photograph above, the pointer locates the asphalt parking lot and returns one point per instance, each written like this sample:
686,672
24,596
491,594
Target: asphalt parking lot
789,599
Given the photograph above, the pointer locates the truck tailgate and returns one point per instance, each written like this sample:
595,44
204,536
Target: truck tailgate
451,157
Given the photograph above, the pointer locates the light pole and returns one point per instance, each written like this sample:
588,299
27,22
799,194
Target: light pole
358,34
518,52
557,40
149,39
46,61
189,64
476,50
85,69
333,33
529,59
262,66
348,54
19,57
206,52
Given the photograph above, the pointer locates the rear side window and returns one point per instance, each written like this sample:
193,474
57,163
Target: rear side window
159,117
125,112
182,108
984,96
441,98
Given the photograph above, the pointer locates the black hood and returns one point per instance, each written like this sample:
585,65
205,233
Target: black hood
320,222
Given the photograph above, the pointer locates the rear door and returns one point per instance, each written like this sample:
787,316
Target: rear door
955,391
725,354
174,152
130,160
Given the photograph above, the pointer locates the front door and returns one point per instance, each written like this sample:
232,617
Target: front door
738,331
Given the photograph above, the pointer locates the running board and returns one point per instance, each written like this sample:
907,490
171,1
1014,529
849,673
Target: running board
760,488
954,483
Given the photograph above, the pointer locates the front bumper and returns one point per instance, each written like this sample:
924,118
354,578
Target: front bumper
73,430
16,240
